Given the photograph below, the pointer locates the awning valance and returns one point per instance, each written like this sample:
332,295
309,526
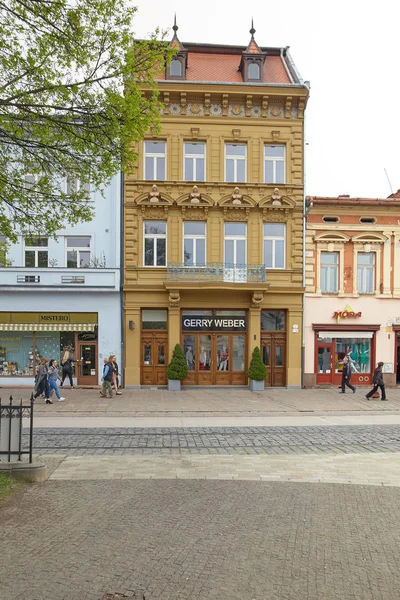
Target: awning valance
47,326
345,334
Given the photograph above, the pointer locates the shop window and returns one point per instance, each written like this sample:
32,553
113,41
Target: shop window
194,243
235,163
17,354
238,345
155,161
329,272
366,272
274,164
78,252
357,350
195,161
189,350
274,245
273,320
154,319
36,252
155,243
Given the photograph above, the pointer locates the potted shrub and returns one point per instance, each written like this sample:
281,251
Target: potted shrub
257,371
177,369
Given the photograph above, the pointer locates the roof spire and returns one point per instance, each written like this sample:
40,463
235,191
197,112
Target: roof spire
252,30
175,27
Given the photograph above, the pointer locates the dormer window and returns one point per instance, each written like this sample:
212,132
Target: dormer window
175,69
253,71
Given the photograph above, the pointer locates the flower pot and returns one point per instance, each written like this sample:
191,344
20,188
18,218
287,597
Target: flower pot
174,385
256,386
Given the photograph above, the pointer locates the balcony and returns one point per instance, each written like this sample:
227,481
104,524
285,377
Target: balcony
59,278
216,273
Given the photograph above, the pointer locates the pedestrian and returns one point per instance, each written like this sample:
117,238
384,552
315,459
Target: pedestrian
54,376
113,361
42,382
107,379
377,380
346,376
67,368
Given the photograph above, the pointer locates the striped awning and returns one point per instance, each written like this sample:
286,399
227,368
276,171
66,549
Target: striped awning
47,326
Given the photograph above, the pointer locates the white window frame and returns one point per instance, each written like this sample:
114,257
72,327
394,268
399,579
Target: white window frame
194,157
154,237
329,267
77,249
194,237
274,160
36,250
275,238
365,268
236,237
154,156
236,158
77,184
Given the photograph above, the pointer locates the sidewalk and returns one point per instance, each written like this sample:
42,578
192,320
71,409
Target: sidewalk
222,406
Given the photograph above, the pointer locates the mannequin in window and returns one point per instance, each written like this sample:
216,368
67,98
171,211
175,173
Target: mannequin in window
364,357
352,364
189,358
223,359
202,359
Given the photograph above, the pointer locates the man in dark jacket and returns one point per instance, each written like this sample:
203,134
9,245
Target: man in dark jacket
346,374
377,380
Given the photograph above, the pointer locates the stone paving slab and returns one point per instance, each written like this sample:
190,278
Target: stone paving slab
371,469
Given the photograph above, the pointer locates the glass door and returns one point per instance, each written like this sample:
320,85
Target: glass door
324,360
87,364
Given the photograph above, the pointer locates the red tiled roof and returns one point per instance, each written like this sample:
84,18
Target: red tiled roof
224,68
395,194
253,48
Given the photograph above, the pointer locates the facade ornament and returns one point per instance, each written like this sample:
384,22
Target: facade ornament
236,196
276,198
207,102
256,299
154,195
249,105
195,196
264,106
288,107
174,299
225,100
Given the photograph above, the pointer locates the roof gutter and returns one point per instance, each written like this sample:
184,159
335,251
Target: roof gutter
286,67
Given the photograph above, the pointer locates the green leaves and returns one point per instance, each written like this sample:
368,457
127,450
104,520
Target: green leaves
71,105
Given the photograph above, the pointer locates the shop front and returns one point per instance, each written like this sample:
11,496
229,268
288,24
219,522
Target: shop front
27,336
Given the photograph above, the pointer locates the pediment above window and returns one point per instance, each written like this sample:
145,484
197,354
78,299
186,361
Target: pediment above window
237,199
154,197
195,198
336,237
369,238
277,200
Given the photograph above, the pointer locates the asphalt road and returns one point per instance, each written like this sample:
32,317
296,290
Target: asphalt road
236,440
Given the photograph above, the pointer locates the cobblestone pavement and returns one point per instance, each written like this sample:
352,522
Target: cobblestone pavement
218,441
201,540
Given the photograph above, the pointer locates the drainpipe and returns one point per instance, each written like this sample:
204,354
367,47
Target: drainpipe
121,276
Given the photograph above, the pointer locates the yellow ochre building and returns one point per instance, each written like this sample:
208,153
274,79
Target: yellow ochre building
213,221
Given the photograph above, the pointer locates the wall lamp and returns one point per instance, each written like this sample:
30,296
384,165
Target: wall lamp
131,325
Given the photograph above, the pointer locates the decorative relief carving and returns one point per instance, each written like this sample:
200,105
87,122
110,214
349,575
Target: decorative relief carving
154,195
215,110
302,104
236,110
236,134
275,111
264,106
174,299
236,214
276,198
293,113
225,100
195,109
256,112
166,103
236,196
249,104
207,102
288,107
194,214
256,299
275,216
195,132
183,103
174,109
154,213
275,135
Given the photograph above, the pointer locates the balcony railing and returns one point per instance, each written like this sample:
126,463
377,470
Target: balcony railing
222,272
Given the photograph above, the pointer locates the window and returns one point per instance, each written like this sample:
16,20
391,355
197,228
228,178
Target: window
75,184
194,243
253,71
154,160
272,320
357,350
329,272
195,154
3,251
175,68
235,163
274,164
78,252
235,244
274,245
367,220
155,243
366,272
154,319
330,219
36,252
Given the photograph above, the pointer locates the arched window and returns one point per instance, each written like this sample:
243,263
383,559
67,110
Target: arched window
253,71
175,69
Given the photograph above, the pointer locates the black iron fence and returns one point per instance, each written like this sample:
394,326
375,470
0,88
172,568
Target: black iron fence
11,417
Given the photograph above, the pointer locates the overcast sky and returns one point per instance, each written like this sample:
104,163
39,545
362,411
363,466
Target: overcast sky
349,50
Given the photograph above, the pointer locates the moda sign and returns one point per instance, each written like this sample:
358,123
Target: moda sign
201,323
347,313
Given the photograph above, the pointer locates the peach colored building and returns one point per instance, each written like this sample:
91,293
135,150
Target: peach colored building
352,299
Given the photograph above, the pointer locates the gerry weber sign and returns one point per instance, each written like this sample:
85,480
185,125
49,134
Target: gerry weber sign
201,323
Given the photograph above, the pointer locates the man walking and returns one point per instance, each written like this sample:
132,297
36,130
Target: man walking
377,380
346,375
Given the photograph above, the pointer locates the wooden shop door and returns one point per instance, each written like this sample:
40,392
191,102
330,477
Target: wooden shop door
86,369
154,358
273,351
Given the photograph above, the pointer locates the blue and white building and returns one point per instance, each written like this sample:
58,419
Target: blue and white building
60,295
